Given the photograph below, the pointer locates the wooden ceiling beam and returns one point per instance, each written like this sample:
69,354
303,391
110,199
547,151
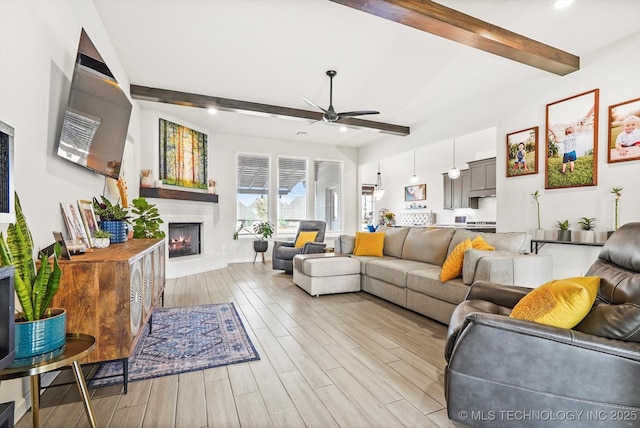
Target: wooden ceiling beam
188,99
434,18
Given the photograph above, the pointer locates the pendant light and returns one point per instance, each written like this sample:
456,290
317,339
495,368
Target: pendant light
414,177
379,192
453,171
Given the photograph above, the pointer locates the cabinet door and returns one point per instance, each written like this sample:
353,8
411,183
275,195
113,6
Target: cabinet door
465,185
477,173
457,192
448,192
490,175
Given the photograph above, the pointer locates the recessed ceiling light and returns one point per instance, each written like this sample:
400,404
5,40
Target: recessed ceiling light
561,4
212,110
343,129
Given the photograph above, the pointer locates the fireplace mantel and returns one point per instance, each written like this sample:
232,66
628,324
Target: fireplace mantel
153,192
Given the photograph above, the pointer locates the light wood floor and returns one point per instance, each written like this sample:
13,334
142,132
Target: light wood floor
347,360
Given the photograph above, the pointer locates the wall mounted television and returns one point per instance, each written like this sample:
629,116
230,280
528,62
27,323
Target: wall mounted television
94,129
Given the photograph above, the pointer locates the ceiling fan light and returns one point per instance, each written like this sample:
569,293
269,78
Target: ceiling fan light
453,173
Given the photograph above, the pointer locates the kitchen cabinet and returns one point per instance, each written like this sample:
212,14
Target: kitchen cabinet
456,192
483,177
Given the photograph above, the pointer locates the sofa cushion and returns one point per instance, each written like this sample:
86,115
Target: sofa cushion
452,267
394,271
369,244
427,245
393,240
561,303
427,282
480,244
347,244
515,242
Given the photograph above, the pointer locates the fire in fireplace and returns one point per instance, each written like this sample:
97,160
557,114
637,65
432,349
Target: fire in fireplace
184,239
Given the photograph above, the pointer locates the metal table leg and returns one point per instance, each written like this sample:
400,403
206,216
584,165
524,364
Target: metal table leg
84,393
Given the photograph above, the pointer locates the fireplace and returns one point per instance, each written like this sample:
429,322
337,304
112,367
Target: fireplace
184,239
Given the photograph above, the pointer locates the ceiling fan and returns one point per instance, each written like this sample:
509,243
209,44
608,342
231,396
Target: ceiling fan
330,114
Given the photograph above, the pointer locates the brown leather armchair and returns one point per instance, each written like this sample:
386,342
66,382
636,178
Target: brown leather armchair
284,251
508,372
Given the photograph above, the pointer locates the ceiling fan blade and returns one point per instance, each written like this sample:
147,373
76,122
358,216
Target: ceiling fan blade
357,113
312,104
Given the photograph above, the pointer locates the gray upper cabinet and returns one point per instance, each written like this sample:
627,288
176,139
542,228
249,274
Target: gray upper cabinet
483,177
456,192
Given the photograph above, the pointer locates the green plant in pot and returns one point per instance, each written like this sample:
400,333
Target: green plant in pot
587,225
147,222
263,230
101,238
40,331
564,234
618,192
113,219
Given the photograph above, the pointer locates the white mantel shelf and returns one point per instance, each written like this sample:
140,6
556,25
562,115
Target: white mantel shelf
154,192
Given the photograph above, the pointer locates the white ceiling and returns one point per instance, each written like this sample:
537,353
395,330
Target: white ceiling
277,51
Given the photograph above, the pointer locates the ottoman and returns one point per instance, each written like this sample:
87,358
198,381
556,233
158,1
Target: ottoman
326,273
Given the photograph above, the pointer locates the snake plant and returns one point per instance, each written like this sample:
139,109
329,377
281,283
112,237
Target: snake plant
35,288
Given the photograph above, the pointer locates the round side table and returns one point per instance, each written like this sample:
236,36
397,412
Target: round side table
77,347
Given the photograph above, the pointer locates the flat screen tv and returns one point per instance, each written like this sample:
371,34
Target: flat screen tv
94,130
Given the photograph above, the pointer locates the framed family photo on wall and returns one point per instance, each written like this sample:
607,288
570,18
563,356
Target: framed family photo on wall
522,152
624,131
572,141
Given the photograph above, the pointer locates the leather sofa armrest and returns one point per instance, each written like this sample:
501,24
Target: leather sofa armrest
277,244
556,335
313,248
501,295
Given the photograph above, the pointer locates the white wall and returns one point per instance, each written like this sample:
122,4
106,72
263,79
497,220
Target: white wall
614,70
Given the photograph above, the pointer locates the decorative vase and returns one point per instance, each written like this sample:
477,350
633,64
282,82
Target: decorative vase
117,229
146,180
260,246
40,339
588,236
101,242
564,235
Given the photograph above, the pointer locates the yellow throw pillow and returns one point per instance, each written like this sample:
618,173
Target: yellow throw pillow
452,267
304,237
561,302
369,244
480,244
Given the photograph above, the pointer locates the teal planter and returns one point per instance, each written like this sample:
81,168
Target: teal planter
118,230
40,339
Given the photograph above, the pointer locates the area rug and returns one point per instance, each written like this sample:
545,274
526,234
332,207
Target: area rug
182,340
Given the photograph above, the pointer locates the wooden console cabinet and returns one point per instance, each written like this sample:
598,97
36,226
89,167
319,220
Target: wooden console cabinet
110,294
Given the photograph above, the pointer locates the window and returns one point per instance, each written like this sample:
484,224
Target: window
292,194
252,190
328,194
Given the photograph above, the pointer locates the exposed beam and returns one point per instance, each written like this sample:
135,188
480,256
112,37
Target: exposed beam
442,21
167,96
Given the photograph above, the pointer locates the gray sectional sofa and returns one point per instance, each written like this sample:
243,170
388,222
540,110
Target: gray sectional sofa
409,272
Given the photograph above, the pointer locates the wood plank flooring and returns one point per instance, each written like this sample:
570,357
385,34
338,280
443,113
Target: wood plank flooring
344,360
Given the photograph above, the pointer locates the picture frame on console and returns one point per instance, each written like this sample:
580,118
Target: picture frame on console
522,152
624,131
73,221
417,192
88,218
572,141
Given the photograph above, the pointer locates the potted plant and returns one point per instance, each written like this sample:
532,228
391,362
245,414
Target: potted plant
539,232
564,234
39,330
389,218
113,219
587,225
263,230
148,221
618,192
101,238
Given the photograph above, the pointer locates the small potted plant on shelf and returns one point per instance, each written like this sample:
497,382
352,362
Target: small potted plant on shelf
618,192
564,234
39,330
101,238
148,221
389,218
587,225
113,219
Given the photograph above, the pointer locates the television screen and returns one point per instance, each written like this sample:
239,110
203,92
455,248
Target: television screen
96,120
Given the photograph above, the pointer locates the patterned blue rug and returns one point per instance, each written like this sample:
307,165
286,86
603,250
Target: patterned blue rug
182,340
